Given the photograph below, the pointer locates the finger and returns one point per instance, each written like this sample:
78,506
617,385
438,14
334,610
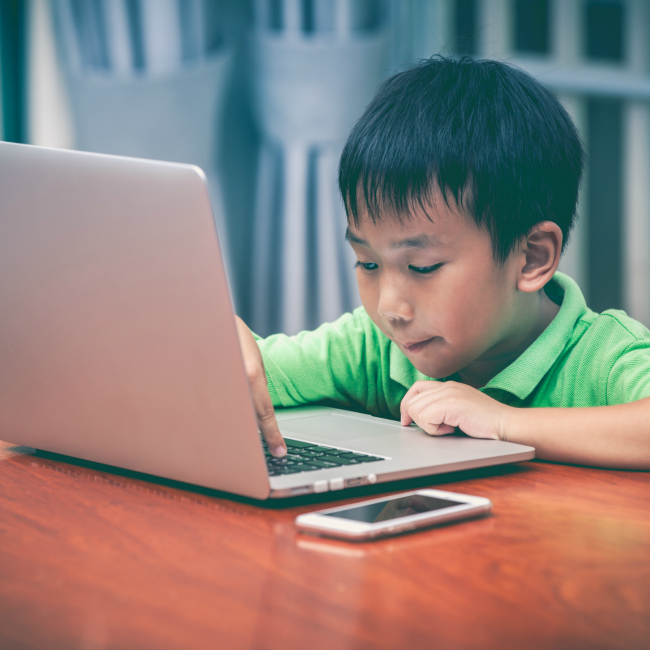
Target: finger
436,429
436,418
404,418
423,392
429,413
259,390
265,412
412,408
269,428
418,388
442,430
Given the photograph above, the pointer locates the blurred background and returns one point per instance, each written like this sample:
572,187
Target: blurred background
262,94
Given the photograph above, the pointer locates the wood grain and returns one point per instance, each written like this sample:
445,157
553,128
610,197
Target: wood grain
94,559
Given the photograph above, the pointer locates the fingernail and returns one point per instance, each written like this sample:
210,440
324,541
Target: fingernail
279,452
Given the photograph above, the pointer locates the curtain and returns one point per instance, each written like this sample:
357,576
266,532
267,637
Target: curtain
13,64
147,78
316,65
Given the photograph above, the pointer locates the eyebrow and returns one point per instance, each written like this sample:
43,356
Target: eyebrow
421,241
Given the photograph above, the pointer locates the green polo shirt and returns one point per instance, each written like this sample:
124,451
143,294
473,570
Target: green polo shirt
581,359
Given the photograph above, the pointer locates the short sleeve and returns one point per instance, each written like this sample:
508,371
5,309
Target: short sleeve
629,378
347,361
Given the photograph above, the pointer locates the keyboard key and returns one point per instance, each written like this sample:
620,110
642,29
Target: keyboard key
297,444
322,463
348,461
307,457
330,459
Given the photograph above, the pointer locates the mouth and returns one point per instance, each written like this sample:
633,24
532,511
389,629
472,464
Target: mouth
414,347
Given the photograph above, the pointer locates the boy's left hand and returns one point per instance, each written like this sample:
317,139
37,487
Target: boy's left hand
440,407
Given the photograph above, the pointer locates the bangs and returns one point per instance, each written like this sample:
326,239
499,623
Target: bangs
482,135
399,194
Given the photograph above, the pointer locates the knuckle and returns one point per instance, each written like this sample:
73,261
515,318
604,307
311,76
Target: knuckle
266,413
454,403
254,371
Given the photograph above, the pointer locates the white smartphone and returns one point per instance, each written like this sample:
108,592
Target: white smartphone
393,515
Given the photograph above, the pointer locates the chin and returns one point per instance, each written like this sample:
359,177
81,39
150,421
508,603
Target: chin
436,370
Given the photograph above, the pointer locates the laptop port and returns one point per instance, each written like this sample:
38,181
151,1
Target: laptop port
304,489
354,482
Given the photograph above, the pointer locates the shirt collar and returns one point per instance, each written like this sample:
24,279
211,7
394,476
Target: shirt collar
524,374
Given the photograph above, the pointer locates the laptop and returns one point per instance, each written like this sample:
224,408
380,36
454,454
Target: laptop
118,342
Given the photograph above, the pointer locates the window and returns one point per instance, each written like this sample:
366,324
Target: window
605,200
531,25
465,21
13,70
604,30
276,15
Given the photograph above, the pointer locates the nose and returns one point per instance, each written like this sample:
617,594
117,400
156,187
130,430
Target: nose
394,303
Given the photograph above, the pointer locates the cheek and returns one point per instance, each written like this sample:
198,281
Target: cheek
367,292
472,306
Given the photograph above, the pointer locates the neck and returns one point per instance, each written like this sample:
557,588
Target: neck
524,332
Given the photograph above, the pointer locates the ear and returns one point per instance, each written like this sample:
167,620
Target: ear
541,255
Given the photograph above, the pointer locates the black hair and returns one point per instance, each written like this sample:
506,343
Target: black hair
483,130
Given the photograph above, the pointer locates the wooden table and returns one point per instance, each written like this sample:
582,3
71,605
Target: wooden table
92,558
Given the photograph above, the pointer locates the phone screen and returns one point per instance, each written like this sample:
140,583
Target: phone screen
394,508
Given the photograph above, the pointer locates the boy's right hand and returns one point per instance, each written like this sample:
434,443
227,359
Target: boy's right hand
261,399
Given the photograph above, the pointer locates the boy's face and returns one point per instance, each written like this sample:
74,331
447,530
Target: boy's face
433,287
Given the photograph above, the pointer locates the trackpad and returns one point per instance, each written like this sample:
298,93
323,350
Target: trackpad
335,428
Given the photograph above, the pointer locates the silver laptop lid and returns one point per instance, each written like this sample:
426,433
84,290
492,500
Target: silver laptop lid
117,337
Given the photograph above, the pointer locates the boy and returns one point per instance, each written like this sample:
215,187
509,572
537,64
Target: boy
460,183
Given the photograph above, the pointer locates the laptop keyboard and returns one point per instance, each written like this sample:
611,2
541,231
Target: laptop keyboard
306,457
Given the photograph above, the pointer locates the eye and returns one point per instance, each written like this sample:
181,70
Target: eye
366,266
425,269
